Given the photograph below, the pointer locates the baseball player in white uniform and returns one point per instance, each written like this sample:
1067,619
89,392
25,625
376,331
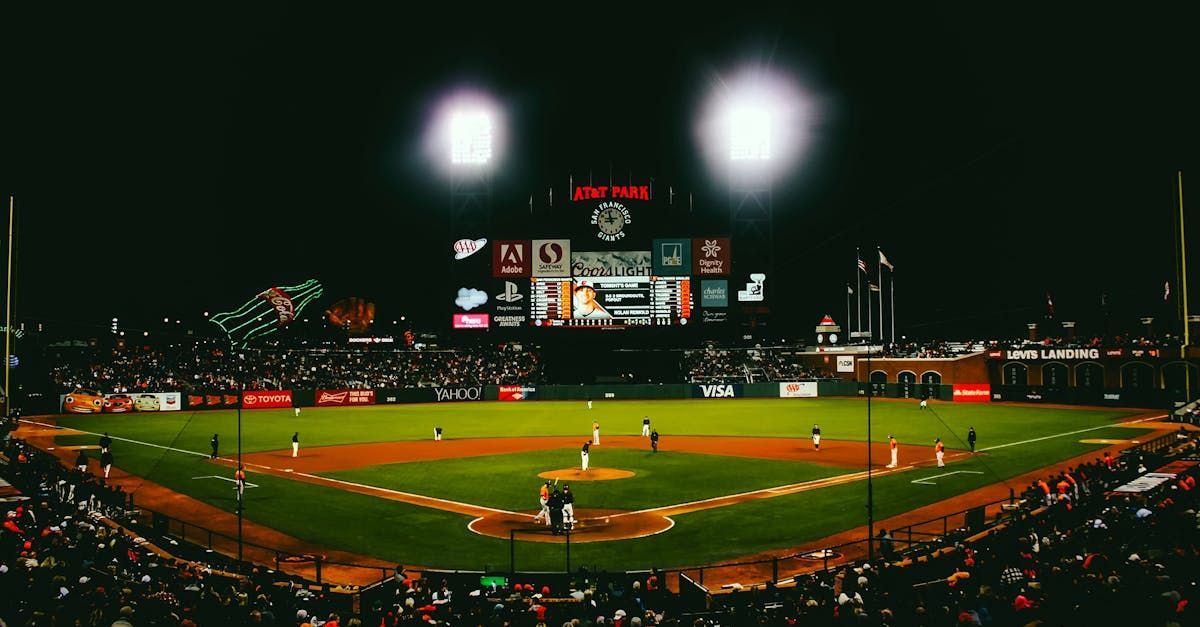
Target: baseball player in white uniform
296,444
816,435
583,455
924,403
595,433
646,426
568,505
895,450
589,403
297,412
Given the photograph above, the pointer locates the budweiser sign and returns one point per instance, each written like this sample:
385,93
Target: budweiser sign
267,399
345,397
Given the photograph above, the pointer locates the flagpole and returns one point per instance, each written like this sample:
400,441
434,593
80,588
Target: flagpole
8,397
847,307
880,271
1187,338
858,294
892,283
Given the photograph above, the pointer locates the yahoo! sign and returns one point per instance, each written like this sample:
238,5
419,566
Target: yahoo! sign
474,393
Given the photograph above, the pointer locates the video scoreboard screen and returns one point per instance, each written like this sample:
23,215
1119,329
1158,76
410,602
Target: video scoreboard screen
610,301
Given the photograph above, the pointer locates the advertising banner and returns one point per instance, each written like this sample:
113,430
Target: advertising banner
345,397
471,321
714,293
510,258
672,257
798,389
84,402
511,308
611,263
607,298
551,258
474,393
845,363
517,393
711,257
717,390
755,290
266,399
972,393
211,400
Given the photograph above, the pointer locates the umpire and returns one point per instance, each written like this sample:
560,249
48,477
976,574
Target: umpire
555,503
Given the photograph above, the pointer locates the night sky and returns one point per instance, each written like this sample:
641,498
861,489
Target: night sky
168,162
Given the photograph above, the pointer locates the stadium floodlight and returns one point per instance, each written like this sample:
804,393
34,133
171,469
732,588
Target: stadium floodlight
470,137
755,121
466,133
749,134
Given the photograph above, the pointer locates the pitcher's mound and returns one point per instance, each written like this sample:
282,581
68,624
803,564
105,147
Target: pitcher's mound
591,474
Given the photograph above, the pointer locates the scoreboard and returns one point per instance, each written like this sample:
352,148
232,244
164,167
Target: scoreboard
607,301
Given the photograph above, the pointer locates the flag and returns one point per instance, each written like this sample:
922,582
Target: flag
862,265
1166,291
1049,305
884,261
849,290
874,288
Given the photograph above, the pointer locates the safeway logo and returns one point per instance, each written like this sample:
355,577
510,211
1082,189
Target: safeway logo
333,397
510,295
717,391
550,253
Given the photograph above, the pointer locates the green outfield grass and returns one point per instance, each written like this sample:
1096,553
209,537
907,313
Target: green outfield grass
511,481
402,532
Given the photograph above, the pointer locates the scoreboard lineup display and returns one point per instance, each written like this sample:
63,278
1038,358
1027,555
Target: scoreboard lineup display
610,301
602,262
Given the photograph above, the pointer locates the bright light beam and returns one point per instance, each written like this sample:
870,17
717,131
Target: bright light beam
470,138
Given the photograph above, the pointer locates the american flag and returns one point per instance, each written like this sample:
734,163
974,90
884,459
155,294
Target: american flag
862,265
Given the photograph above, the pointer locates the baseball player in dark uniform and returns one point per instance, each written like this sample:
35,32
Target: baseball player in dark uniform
106,461
654,440
105,442
971,439
816,435
568,500
81,462
214,443
583,454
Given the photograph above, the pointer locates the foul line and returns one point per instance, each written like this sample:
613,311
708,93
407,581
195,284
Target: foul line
1060,435
926,480
248,484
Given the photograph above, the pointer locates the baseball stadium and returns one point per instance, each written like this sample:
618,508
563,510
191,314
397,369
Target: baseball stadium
506,342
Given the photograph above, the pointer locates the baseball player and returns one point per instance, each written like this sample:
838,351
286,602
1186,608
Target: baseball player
595,433
895,450
437,434
589,403
924,402
555,505
214,442
106,461
105,442
297,412
940,449
544,499
654,440
645,426
583,455
971,438
296,444
240,478
81,462
568,500
816,433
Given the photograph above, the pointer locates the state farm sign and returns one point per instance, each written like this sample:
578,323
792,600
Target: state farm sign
972,393
267,399
345,397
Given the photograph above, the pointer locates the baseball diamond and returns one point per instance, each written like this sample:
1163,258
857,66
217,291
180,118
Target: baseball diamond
745,464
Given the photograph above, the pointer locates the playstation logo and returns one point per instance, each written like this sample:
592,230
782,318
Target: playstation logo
510,295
